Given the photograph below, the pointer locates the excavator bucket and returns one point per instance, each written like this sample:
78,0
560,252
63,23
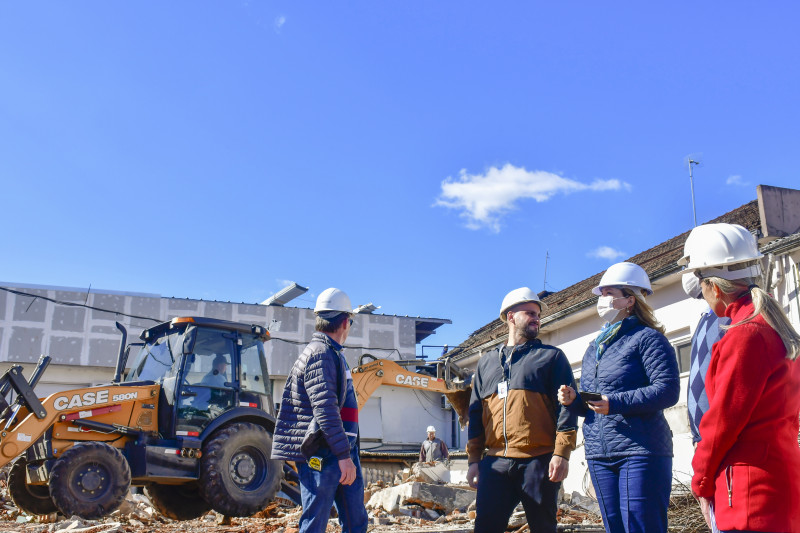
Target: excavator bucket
460,401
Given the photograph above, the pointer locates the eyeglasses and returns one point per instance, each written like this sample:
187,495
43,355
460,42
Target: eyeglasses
350,320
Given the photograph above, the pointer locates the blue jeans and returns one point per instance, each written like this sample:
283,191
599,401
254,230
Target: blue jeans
504,482
320,490
633,492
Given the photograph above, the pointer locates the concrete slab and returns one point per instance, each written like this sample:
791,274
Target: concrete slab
442,498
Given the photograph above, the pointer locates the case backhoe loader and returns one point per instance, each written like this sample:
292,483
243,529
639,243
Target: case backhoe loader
191,422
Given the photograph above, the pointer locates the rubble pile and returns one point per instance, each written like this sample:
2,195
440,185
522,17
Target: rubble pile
135,514
421,499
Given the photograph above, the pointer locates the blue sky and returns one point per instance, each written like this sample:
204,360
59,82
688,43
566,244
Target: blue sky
424,156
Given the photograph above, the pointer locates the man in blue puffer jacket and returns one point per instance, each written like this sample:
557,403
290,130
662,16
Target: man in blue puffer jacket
317,423
628,443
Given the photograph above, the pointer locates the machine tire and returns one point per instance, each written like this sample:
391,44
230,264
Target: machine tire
33,499
178,502
237,475
90,480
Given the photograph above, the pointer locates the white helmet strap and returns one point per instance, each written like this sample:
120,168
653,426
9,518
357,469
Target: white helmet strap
725,272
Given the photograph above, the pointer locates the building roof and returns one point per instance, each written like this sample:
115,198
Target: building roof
658,261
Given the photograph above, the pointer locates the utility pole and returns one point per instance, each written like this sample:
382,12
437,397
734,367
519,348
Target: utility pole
691,184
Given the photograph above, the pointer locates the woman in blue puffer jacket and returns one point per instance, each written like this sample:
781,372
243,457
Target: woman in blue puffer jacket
633,369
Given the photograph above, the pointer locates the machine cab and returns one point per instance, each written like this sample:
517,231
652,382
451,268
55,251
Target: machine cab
205,367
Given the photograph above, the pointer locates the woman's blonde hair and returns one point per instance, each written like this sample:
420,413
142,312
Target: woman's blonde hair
643,311
764,305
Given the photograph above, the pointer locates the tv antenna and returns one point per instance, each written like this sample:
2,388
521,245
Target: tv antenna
546,258
693,160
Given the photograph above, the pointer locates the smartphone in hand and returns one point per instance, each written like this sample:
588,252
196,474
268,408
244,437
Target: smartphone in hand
591,396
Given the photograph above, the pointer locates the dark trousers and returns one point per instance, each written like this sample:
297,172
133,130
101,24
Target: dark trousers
504,482
633,492
320,490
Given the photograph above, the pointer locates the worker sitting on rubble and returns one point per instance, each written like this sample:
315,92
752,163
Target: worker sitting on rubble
433,449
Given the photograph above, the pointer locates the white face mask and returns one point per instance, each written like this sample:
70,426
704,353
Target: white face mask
691,285
605,307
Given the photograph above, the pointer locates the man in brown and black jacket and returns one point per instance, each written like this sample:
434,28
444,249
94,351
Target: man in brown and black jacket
515,417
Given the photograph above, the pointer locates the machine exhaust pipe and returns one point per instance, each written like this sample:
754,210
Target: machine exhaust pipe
121,359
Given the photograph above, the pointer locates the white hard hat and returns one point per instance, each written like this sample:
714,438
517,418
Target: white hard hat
714,248
519,296
333,300
624,275
431,429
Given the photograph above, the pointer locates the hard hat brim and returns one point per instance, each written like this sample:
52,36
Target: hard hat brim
541,304
598,290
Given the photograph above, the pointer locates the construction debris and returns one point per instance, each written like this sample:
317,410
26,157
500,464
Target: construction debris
442,498
430,472
420,503
684,512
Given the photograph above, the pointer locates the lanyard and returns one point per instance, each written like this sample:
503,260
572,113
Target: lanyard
505,367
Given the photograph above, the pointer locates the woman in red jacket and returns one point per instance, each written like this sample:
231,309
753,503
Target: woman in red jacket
747,463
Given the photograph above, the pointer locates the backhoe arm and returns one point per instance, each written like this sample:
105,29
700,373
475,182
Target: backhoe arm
369,376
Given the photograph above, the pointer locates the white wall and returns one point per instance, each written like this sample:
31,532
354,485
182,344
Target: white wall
404,416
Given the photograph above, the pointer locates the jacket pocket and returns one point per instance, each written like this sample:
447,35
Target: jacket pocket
742,499
312,440
493,422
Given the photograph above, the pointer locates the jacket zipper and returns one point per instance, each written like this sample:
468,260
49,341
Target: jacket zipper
599,420
729,483
507,379
505,437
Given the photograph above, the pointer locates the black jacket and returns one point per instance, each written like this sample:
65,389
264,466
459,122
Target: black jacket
529,421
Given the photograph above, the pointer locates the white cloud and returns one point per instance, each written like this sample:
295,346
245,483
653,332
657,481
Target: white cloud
279,22
483,199
606,252
736,180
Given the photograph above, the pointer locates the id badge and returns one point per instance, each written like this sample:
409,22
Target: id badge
502,389
315,463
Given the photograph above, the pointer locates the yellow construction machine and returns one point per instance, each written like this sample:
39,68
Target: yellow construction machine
191,422
449,380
